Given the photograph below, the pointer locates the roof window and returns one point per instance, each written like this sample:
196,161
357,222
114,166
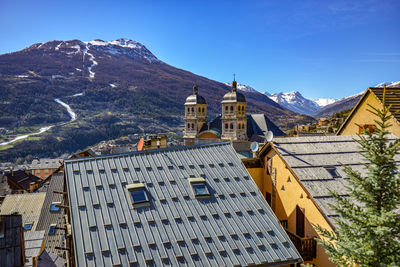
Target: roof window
138,194
28,226
333,172
54,206
52,229
199,187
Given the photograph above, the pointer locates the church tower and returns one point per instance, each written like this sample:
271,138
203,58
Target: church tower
234,119
195,115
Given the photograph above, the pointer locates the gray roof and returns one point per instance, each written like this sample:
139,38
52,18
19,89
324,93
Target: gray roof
308,157
48,217
45,164
234,226
33,244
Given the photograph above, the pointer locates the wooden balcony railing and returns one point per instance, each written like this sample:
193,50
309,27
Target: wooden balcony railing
307,246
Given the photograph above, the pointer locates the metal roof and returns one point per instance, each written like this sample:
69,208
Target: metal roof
233,226
33,245
309,158
48,217
29,205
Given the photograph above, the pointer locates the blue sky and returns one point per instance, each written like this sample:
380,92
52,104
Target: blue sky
320,48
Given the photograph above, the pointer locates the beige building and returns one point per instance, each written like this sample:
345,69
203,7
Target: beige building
28,205
360,118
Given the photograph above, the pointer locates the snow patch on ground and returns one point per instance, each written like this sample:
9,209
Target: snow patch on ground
78,94
112,85
91,58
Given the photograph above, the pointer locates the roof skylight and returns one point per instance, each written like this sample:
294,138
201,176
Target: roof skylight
137,193
199,187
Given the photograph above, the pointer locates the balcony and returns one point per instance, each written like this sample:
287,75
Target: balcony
307,246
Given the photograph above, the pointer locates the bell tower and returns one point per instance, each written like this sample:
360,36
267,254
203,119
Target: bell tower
195,115
234,119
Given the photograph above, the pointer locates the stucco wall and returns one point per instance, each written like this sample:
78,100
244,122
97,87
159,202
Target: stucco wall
363,116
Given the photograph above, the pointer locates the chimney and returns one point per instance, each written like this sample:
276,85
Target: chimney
31,187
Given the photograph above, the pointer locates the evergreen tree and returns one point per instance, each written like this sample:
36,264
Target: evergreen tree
368,226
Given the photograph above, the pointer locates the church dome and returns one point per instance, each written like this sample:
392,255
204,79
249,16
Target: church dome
234,96
195,98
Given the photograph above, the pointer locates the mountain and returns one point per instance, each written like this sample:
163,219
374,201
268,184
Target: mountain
114,89
339,105
348,102
244,88
322,102
296,102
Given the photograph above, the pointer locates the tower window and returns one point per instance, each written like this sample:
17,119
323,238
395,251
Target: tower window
226,126
188,125
239,126
231,108
199,110
188,110
231,126
193,110
192,126
203,110
226,108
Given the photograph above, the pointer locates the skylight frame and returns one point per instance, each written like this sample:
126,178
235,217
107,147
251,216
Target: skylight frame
196,183
52,229
332,171
138,187
54,207
28,226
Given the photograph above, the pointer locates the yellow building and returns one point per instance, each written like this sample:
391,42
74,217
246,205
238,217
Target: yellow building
360,118
295,175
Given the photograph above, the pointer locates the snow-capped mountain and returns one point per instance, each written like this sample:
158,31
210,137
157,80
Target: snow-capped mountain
244,88
296,102
322,102
389,84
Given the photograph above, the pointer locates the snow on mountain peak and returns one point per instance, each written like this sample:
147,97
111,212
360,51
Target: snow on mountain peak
322,102
389,84
242,87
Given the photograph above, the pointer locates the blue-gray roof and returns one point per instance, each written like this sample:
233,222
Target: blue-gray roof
234,226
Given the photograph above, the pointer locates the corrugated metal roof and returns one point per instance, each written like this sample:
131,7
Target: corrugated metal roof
28,205
309,156
33,245
234,226
48,217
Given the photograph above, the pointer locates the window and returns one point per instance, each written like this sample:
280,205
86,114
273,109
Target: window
226,108
332,171
231,108
226,126
202,110
231,126
46,171
54,207
52,229
369,128
138,194
193,110
188,125
192,126
28,226
199,109
37,171
188,110
199,187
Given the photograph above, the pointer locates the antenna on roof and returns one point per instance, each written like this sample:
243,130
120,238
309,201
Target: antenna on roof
254,148
270,136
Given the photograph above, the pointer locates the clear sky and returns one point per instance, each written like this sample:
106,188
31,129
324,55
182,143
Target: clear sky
321,48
